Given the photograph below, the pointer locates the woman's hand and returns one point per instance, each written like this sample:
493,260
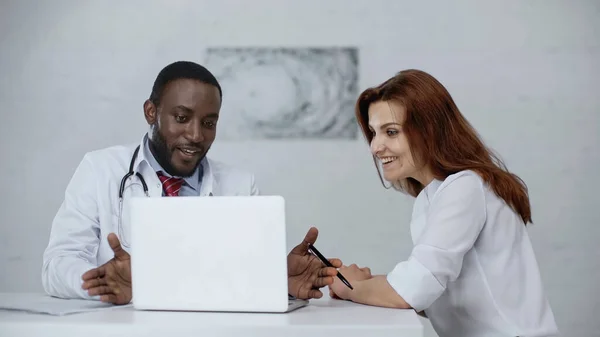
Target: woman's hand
352,273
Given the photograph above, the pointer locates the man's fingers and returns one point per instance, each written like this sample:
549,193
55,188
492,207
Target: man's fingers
327,271
309,238
115,245
323,281
93,273
314,293
96,282
109,298
337,263
101,290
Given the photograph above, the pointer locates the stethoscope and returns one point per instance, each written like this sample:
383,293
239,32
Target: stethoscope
122,189
128,175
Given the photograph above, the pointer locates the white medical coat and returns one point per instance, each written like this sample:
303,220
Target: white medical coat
90,211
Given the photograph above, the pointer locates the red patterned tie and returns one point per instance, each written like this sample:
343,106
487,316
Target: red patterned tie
171,185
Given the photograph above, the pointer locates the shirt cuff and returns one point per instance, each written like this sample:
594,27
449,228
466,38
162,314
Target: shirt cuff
415,284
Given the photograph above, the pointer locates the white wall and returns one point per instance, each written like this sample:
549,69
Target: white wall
74,75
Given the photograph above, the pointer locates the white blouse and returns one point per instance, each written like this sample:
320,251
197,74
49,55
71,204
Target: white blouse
472,269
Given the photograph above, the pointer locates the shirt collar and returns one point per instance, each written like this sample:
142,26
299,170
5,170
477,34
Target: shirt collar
430,190
192,181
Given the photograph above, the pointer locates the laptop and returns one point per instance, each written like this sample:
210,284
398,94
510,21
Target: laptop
218,254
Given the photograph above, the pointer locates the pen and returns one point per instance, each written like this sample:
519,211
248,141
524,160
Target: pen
328,264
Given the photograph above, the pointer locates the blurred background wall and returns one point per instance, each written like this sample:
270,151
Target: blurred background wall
74,76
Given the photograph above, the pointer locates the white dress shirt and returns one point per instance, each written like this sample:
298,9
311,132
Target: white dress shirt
90,211
472,269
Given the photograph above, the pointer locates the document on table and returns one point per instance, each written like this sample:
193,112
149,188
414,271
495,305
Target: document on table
44,304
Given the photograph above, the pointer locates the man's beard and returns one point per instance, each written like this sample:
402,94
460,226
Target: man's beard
162,154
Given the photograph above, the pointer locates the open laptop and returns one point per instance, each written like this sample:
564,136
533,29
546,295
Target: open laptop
225,253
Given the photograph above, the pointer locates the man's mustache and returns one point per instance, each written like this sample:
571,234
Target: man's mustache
190,147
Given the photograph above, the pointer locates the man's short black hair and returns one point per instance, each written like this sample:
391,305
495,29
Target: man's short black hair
178,70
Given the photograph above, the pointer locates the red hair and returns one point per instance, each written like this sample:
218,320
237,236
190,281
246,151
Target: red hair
440,137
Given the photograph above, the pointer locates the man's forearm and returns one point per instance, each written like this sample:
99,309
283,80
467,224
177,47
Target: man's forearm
61,277
377,292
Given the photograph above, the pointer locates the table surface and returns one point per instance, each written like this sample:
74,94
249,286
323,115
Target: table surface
322,317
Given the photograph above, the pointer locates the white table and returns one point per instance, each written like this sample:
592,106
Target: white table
323,317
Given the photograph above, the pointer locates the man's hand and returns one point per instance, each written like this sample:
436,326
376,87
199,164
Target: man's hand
112,280
306,273
353,274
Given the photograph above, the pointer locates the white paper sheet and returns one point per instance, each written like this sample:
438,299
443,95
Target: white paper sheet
44,304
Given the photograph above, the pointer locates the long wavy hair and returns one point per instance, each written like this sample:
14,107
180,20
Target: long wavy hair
440,137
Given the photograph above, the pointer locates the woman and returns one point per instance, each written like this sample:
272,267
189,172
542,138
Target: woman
472,269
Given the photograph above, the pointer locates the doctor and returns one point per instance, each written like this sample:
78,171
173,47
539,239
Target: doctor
87,254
